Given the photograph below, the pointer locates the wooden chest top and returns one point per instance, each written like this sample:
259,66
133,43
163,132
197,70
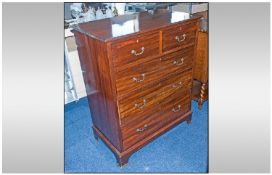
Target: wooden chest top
117,27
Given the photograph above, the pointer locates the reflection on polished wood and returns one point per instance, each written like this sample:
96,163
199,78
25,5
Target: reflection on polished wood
112,28
142,76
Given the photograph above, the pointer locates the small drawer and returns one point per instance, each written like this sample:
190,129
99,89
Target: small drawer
135,48
179,36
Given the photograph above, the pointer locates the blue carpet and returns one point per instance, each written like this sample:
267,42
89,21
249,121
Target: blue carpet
182,149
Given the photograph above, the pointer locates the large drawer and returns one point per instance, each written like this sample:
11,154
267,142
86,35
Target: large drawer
135,48
142,75
179,36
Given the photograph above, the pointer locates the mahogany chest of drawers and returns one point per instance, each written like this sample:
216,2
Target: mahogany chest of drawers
139,68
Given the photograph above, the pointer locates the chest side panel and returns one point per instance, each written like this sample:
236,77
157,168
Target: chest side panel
100,88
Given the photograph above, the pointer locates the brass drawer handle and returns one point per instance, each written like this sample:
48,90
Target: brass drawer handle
178,62
140,105
180,40
177,85
176,109
134,52
138,80
142,129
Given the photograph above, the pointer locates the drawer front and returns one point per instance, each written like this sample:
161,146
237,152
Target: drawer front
179,36
141,104
178,84
137,77
141,75
176,107
134,133
135,48
178,61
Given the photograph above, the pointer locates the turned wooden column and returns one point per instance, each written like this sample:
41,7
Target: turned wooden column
200,88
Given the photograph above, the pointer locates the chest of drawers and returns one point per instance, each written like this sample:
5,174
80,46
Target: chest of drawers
139,68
